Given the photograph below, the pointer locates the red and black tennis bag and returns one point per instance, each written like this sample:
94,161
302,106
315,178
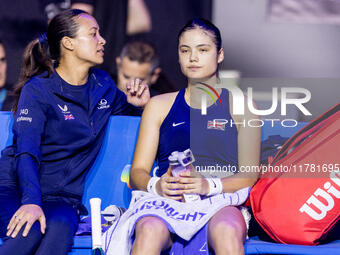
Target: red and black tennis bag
297,198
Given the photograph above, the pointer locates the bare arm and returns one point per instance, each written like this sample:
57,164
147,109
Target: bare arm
139,20
146,147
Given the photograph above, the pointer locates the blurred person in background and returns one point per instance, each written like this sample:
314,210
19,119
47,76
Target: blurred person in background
117,20
6,97
139,59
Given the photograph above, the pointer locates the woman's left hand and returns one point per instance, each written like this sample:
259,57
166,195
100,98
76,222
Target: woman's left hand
138,93
26,215
194,184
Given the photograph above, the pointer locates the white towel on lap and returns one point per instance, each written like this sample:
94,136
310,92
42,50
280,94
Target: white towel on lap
183,219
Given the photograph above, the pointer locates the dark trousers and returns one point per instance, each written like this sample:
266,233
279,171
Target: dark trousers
61,225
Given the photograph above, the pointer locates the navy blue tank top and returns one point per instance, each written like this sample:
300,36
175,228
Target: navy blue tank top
211,137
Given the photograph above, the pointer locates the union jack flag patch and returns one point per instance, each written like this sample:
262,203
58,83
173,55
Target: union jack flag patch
68,117
216,125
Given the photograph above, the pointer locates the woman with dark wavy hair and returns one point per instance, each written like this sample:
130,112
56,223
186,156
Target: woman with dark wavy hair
59,125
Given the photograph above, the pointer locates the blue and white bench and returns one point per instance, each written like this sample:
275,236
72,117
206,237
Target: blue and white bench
108,177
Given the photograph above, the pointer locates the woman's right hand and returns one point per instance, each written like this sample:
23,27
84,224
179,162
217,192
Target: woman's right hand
169,186
26,214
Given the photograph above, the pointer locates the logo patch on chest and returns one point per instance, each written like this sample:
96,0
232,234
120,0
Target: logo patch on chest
68,117
216,124
103,104
67,114
64,108
177,124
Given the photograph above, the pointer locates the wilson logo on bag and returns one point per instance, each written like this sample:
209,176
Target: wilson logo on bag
301,205
326,194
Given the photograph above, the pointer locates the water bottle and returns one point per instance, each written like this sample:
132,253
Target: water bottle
179,162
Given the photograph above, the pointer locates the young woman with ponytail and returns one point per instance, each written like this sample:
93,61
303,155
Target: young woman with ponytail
60,119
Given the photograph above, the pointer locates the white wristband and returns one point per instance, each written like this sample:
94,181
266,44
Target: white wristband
151,187
215,186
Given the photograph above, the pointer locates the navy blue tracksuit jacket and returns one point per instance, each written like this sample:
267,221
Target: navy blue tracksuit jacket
56,138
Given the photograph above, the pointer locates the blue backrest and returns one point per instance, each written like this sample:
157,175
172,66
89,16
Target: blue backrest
108,176
6,135
279,128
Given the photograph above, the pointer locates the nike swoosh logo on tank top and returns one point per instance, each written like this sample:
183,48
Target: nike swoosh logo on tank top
177,124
